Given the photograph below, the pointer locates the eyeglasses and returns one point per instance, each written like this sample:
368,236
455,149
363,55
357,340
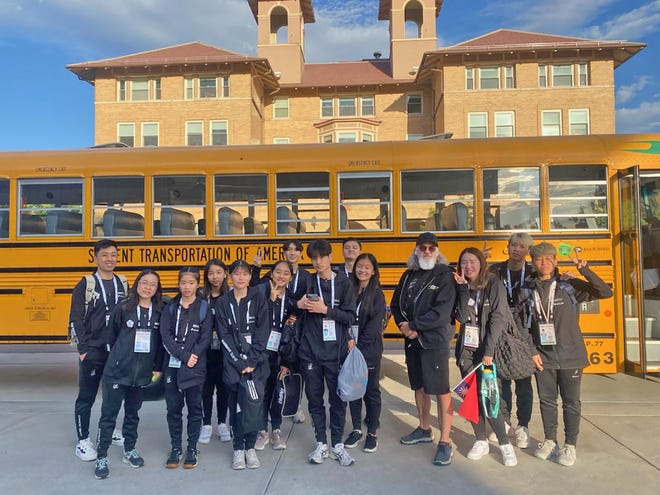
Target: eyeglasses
427,249
150,285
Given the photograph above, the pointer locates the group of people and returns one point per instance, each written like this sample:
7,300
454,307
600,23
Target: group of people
214,342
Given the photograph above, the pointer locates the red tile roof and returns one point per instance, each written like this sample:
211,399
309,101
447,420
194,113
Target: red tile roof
306,5
374,71
386,6
513,37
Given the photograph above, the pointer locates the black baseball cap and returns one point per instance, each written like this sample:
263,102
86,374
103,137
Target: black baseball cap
427,238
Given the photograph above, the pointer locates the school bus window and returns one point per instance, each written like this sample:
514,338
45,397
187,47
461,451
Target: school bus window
118,206
578,197
50,207
4,208
241,204
303,203
365,201
179,205
437,200
511,198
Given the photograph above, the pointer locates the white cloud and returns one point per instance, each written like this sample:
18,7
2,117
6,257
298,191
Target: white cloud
632,25
627,93
642,119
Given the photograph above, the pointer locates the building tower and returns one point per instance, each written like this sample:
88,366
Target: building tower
281,35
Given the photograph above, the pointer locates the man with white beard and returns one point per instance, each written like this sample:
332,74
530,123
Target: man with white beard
422,306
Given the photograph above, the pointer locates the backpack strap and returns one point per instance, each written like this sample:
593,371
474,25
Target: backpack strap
90,286
124,282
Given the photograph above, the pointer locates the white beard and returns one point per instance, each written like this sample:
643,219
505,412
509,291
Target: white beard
426,264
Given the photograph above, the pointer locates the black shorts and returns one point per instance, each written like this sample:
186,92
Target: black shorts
428,369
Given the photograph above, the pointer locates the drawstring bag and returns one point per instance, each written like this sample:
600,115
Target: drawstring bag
353,376
289,394
250,403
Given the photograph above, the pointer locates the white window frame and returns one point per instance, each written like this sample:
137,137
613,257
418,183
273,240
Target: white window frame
157,88
412,96
143,91
509,74
347,137
212,134
199,87
189,88
571,121
342,109
327,99
224,87
122,90
469,78
543,76
281,105
143,133
544,125
188,133
497,78
120,135
570,73
281,140
368,137
372,106
500,127
470,115
582,72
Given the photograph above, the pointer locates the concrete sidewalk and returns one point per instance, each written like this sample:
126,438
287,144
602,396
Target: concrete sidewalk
617,451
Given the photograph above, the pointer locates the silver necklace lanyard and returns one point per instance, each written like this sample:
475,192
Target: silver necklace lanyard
509,285
275,323
547,316
176,330
332,289
357,313
105,296
139,317
247,317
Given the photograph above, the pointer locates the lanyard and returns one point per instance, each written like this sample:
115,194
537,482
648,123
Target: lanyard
295,281
348,274
547,316
477,296
332,289
105,296
357,313
509,285
275,323
247,318
178,316
139,317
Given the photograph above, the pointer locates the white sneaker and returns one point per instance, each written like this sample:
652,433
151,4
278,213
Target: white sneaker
85,450
205,434
318,454
224,432
251,459
547,450
239,460
339,453
478,450
117,437
567,456
508,455
277,441
299,417
522,437
509,432
263,439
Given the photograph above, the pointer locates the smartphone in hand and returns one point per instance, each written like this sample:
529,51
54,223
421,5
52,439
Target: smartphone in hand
313,297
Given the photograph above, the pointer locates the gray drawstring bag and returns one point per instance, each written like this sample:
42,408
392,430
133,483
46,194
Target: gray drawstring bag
353,376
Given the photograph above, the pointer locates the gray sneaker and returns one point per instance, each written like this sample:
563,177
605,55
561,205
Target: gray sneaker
339,453
101,470
443,454
418,436
547,450
251,459
133,459
239,460
522,437
320,453
567,456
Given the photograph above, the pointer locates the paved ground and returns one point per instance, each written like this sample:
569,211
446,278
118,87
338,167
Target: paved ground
618,449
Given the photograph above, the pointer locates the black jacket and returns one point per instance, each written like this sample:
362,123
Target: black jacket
370,328
274,321
125,366
434,298
312,346
491,316
251,321
197,341
570,351
297,286
89,327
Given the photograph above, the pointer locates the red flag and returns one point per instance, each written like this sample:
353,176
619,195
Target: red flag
467,389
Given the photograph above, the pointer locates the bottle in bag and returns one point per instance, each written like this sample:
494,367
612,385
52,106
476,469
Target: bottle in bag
490,394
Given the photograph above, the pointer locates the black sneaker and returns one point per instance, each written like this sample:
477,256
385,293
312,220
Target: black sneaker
173,459
443,455
418,436
371,443
353,439
101,472
133,459
190,461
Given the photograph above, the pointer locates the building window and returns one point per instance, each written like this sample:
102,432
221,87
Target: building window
578,122
225,86
219,132
469,78
281,140
347,137
414,104
504,124
562,75
367,137
126,134
368,108
347,106
194,134
327,109
281,108
509,81
139,90
208,87
551,123
477,125
157,89
414,137
122,90
188,85
489,78
150,134
543,76
583,74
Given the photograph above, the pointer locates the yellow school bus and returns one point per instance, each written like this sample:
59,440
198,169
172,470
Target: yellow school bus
170,207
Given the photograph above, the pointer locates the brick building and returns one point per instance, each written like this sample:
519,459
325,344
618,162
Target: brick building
504,83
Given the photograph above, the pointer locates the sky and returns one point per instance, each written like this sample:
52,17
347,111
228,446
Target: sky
45,106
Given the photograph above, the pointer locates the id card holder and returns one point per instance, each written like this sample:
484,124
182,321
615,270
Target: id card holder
329,331
215,341
355,330
547,334
174,362
274,341
142,341
471,337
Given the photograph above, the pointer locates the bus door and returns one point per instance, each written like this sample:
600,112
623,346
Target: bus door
639,196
